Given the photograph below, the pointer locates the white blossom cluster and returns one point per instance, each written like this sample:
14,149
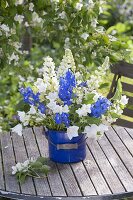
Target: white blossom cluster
88,4
25,119
22,167
90,131
19,2
8,32
98,75
49,81
36,20
66,63
13,56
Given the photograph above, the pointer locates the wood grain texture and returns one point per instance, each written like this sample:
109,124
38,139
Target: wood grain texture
9,161
126,139
96,175
127,87
54,178
123,69
42,186
130,132
124,123
69,180
130,101
107,170
21,156
108,167
83,179
117,164
2,186
120,149
128,112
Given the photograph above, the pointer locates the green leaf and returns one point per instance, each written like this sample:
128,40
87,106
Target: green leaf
104,85
45,169
27,84
106,62
89,99
36,165
114,115
118,93
90,120
42,160
22,106
22,178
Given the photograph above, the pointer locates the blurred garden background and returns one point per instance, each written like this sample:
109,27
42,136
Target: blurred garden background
31,30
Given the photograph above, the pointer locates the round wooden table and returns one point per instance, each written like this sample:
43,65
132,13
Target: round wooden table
106,172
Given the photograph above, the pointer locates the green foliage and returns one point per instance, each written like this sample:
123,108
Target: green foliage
118,92
89,99
36,169
85,121
117,19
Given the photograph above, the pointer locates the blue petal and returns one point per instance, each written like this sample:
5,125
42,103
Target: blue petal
57,118
42,108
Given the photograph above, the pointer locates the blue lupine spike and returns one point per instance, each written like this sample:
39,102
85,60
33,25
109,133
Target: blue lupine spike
68,102
71,77
67,83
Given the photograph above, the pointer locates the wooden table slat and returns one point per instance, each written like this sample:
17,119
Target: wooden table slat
69,180
55,181
83,179
107,170
54,178
9,161
117,164
130,132
125,137
95,175
121,150
42,186
21,156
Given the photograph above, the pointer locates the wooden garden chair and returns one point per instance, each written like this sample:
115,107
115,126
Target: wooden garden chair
123,70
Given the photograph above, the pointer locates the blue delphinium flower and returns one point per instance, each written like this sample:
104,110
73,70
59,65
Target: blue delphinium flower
62,118
29,96
42,108
65,119
100,107
58,118
67,83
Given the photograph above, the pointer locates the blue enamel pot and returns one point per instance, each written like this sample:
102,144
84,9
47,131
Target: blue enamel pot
64,150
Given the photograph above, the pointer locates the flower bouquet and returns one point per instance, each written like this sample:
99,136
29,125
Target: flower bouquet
67,102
